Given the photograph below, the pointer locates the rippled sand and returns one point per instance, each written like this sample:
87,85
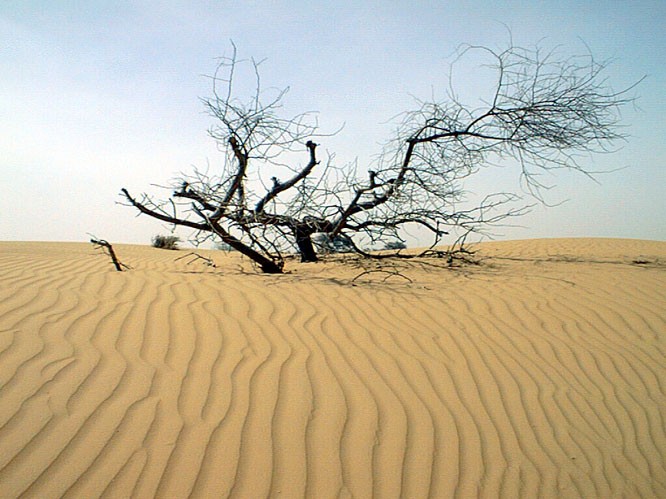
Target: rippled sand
541,372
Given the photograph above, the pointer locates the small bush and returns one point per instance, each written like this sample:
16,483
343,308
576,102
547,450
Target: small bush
337,244
395,245
222,246
166,242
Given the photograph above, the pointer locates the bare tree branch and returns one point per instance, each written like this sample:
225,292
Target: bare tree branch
108,249
544,112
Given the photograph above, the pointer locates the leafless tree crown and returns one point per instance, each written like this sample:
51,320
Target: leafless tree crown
273,194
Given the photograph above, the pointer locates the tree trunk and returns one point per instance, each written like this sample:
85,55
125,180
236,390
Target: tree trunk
305,246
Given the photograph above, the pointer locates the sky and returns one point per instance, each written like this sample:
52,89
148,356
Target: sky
100,95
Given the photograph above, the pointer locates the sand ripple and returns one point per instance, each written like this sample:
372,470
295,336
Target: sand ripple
541,373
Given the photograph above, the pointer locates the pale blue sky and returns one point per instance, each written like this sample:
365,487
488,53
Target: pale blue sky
95,96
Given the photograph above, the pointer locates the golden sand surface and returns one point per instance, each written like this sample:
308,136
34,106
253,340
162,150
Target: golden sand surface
539,373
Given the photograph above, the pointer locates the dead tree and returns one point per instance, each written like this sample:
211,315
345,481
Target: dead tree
544,110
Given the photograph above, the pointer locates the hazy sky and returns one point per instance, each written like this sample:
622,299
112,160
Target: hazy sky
99,95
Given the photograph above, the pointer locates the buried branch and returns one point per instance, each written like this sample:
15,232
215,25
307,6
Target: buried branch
107,248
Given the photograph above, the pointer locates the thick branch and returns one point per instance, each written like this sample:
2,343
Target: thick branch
390,223
161,216
355,206
189,193
279,187
236,187
267,265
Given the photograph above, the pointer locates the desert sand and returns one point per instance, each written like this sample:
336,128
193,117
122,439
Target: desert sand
539,373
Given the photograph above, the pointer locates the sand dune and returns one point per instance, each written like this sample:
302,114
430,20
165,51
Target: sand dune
541,373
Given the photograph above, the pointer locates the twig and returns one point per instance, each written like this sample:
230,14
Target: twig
391,273
197,256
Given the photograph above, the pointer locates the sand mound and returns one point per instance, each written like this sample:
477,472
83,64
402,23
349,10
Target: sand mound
541,372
